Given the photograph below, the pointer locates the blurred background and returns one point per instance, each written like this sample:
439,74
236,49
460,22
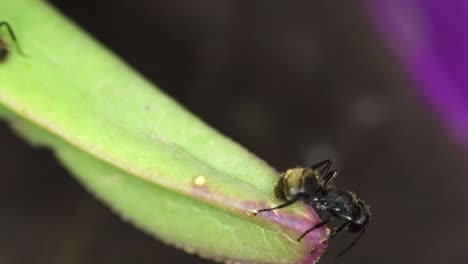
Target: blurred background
295,82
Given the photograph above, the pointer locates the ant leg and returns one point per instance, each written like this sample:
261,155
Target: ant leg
351,245
12,35
279,206
326,164
314,227
336,230
321,164
330,177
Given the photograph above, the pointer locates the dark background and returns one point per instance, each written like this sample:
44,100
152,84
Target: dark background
293,81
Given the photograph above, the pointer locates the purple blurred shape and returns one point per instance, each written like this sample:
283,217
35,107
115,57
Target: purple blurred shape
431,37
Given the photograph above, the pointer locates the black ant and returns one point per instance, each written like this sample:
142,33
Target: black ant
4,49
314,187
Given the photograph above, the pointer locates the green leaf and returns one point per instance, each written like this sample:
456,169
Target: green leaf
139,151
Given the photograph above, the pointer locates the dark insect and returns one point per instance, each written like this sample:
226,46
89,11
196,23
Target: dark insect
314,187
4,48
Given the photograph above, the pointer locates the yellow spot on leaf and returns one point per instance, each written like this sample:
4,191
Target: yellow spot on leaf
199,180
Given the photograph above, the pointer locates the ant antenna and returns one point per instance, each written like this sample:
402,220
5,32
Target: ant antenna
12,35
